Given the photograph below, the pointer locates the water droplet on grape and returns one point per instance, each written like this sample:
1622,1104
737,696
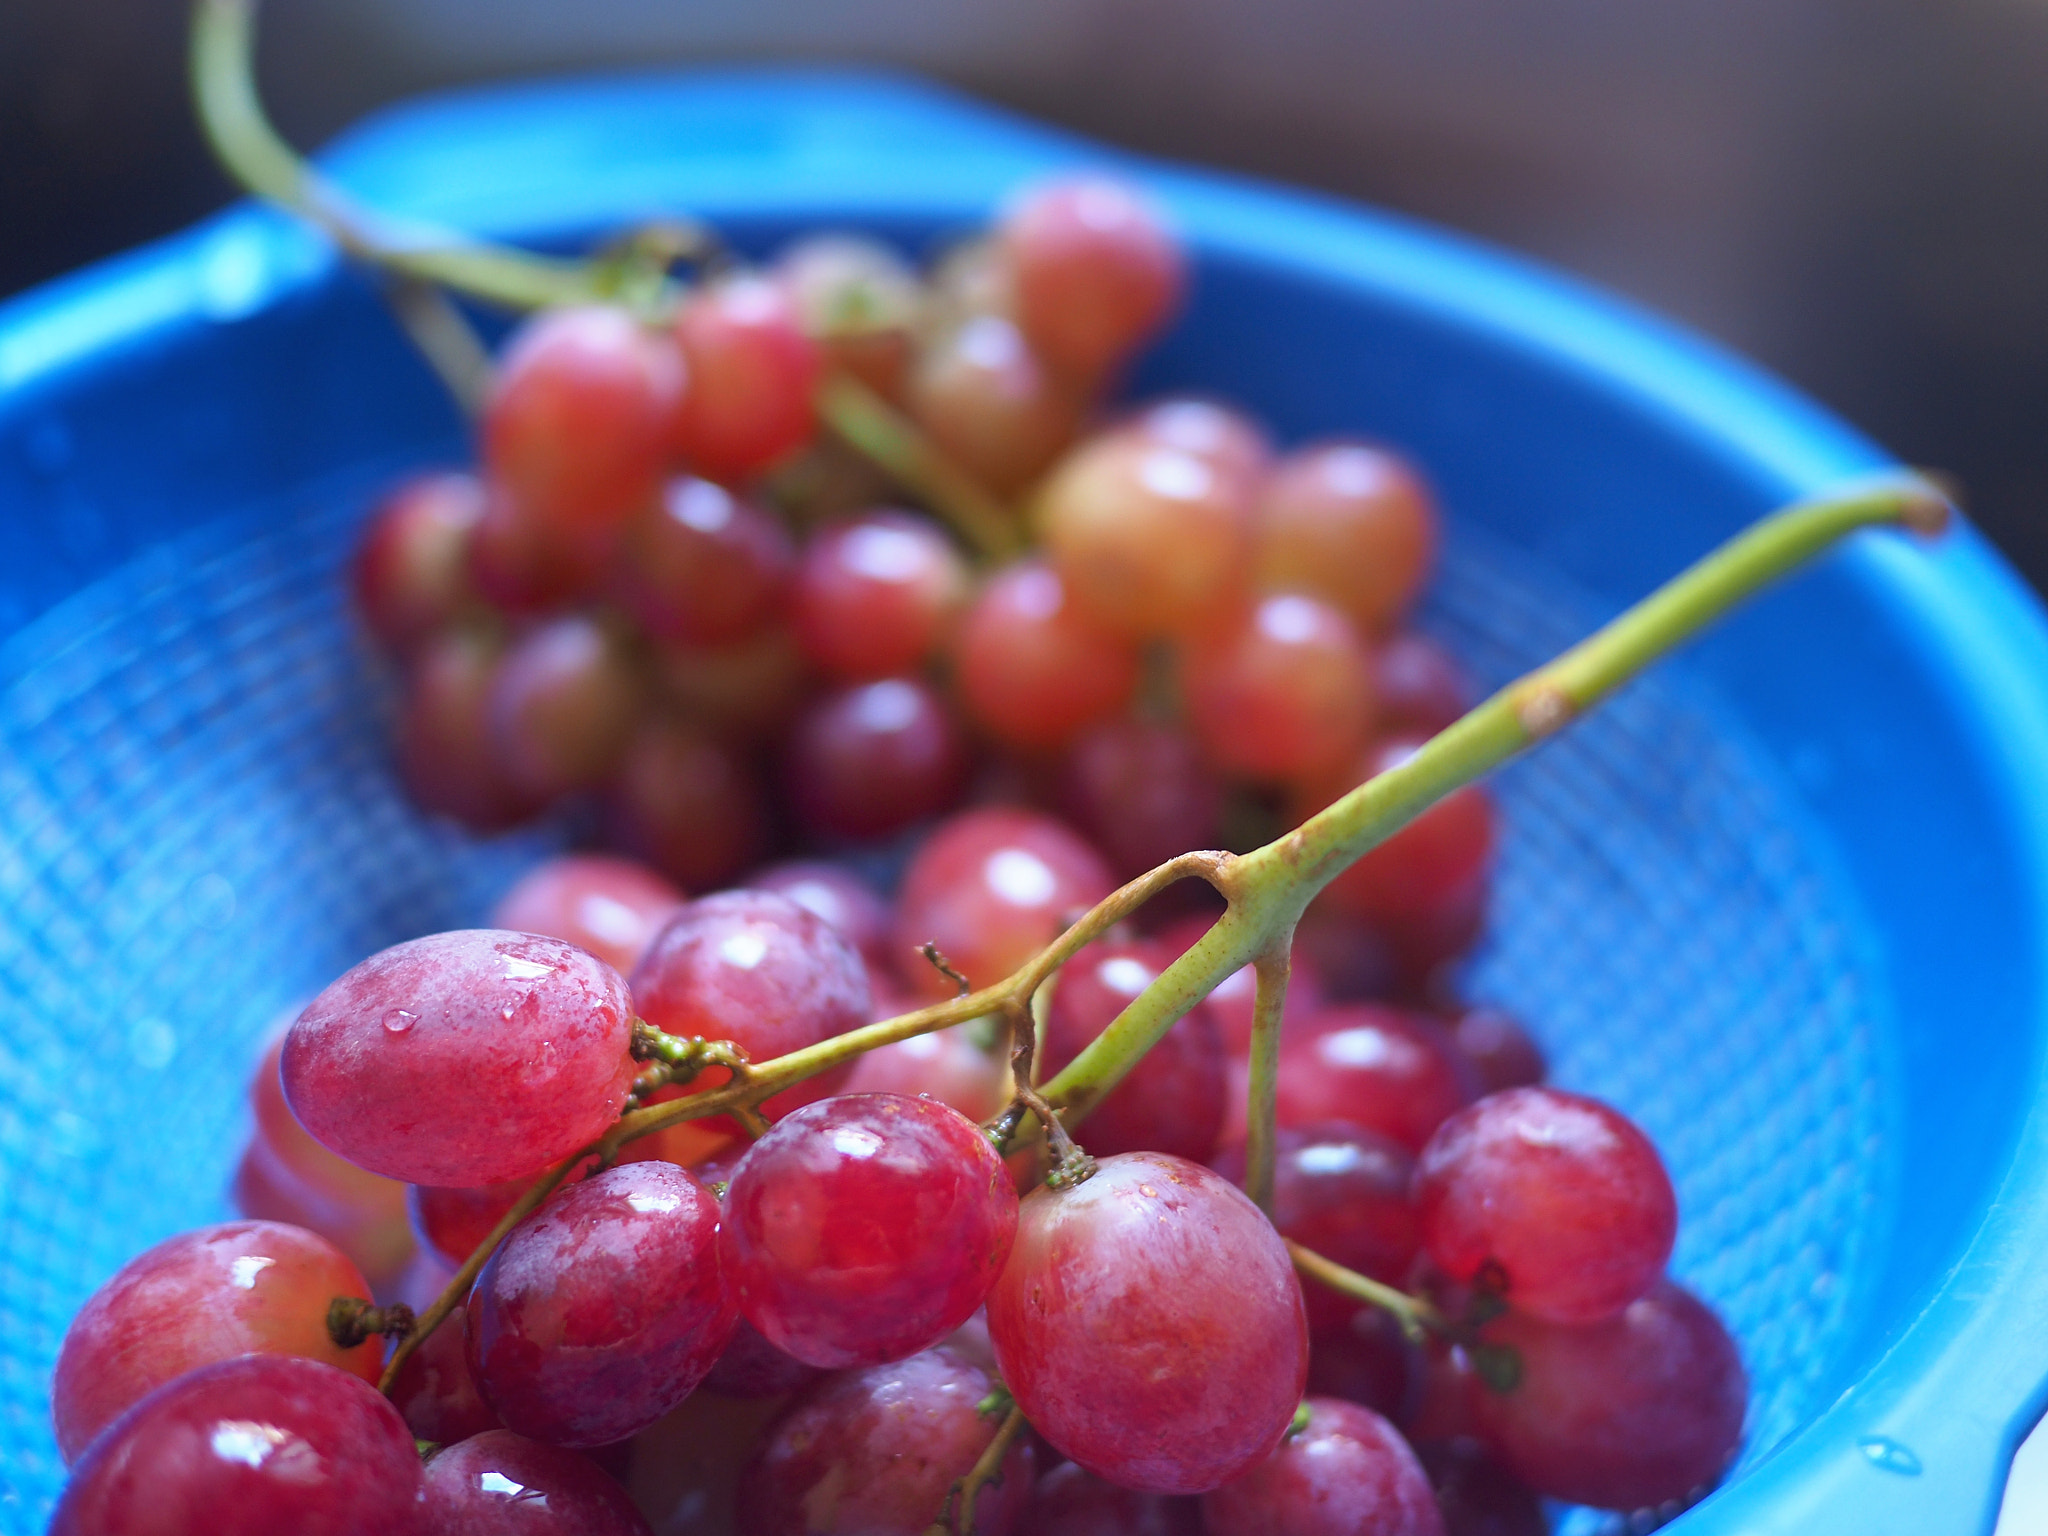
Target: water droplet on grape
517,969
398,1021
245,1270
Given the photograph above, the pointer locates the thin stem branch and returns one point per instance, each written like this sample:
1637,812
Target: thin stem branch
1272,969
958,1514
1415,1315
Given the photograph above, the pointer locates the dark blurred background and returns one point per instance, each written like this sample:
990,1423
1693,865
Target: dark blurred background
1854,192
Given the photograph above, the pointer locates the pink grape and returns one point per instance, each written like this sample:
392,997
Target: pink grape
1141,793
752,374
250,1447
1352,524
991,887
1150,1325
687,803
1070,1500
436,1393
411,570
872,758
839,896
599,902
1558,1196
944,1064
1502,1052
603,1309
1097,271
238,1288
1378,1067
1285,696
874,1452
1349,1471
501,1484
463,1058
524,565
875,594
1420,687
866,1228
1625,1413
561,706
701,566
744,690
1219,434
1031,670
445,752
991,404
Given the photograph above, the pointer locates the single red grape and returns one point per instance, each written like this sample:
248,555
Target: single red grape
1476,1495
1352,524
561,706
751,1367
1207,429
945,1064
702,566
411,570
525,565
991,887
866,1228
436,1393
463,1058
250,1447
1378,1067
752,374
840,897
1626,1413
1347,1473
1150,1325
858,301
603,1309
1343,1192
687,803
1173,1099
1364,1359
744,691
501,1484
1283,696
990,404
1502,1052
238,1288
1149,540
875,594
577,417
445,752
873,758
875,1452
1140,792
610,906
1072,1501
1561,1197
1097,271
1420,688
1032,672
758,970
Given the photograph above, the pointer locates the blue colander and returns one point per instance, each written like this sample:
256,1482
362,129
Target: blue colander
1782,901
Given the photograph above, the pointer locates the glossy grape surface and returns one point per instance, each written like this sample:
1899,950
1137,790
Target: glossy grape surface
411,570
1285,696
561,707
610,906
238,1288
1558,1196
502,1484
1624,1413
703,566
1151,1326
251,1446
1031,670
753,371
945,1064
1096,271
603,1309
990,403
839,896
1348,1473
1352,524
464,1057
874,1452
872,758
875,594
1378,1067
866,1228
1207,429
1502,1052
435,1391
1141,793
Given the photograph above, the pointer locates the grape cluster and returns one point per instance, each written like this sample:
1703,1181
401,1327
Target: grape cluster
875,1300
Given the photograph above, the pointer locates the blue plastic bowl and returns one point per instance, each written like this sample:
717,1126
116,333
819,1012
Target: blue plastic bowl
1783,901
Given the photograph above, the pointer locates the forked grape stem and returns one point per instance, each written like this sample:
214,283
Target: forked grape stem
957,1518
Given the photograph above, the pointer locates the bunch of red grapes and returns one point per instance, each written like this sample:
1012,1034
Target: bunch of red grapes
854,1309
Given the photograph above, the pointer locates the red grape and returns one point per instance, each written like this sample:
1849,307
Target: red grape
1561,1197
873,758
436,1393
758,970
875,1452
1097,271
702,566
238,1288
1032,672
1283,696
577,417
1378,1067
1220,434
445,752
840,897
745,690
1151,1326
411,571
875,594
1072,1501
686,803
752,373
991,887
463,1058
751,1367
944,1064
250,1447
1501,1051
1420,688
1364,1359
1141,793
1352,524
452,1220
610,906
1149,540
561,706
856,299
990,404
1476,1495
603,1309
686,1469
1172,1100
1342,1191
524,566
501,1484
1625,1413
1347,1473
866,1228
